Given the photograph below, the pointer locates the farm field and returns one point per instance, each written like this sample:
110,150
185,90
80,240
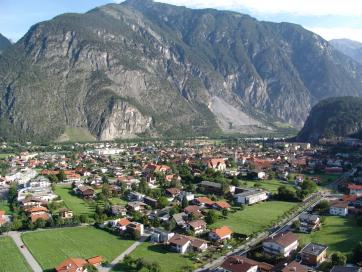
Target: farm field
255,218
53,246
10,257
73,202
168,261
338,233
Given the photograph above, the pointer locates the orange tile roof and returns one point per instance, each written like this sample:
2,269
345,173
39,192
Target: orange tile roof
36,209
204,199
223,204
223,231
71,265
123,222
95,260
35,217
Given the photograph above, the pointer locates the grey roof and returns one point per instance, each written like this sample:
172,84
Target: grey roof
346,269
211,184
314,249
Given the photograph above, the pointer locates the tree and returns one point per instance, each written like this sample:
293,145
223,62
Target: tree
154,267
286,194
6,227
225,212
62,176
235,182
322,206
40,223
105,179
211,217
162,202
357,253
90,268
338,258
53,178
184,202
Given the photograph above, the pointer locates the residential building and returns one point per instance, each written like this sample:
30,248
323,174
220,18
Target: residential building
339,208
355,189
216,164
240,264
281,244
346,269
313,254
182,243
161,236
309,222
78,264
220,234
294,267
250,197
65,213
197,226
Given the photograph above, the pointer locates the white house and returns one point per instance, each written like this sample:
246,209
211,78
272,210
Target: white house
339,208
281,244
251,196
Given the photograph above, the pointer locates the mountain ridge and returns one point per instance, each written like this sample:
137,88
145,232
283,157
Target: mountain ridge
4,43
332,118
348,47
127,69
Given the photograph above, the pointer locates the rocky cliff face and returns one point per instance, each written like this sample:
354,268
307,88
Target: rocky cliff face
333,117
4,43
145,67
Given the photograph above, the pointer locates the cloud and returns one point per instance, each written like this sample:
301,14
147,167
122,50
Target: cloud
338,33
295,7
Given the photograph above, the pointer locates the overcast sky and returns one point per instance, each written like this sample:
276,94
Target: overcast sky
329,18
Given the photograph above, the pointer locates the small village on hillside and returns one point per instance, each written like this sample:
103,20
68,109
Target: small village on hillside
229,205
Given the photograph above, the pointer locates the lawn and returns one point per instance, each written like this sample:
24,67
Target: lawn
255,218
169,261
75,203
10,257
269,185
338,233
4,205
53,246
5,155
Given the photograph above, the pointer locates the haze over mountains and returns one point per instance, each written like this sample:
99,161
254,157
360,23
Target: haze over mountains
147,68
350,48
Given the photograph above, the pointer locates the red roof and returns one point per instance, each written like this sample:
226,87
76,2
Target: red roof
123,222
71,265
204,200
97,260
354,187
222,204
222,232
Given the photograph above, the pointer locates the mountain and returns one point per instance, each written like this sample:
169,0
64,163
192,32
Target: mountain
146,68
333,117
4,43
350,48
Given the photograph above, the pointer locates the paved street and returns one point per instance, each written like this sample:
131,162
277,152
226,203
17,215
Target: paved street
123,254
16,236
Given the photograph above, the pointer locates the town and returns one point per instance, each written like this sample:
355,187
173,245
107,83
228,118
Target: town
225,205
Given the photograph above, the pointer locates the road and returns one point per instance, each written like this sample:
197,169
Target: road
242,250
16,236
125,253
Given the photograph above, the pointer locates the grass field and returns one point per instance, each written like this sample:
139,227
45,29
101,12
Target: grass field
10,257
338,233
269,185
168,261
5,155
255,218
53,246
73,202
5,206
